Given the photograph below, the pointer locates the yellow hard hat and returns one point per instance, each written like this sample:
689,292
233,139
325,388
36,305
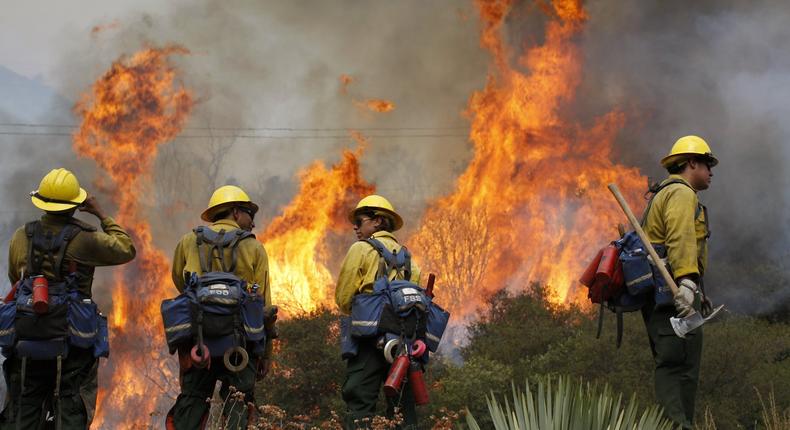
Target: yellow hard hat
224,197
689,145
380,206
58,191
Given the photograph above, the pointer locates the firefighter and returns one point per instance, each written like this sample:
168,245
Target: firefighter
373,217
677,220
229,209
59,195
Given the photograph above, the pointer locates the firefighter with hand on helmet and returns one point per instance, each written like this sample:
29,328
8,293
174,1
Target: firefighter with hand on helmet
65,252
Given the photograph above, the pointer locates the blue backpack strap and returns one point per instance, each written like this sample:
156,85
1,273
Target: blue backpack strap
403,262
387,260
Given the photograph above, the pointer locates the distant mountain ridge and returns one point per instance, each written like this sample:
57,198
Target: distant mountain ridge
30,100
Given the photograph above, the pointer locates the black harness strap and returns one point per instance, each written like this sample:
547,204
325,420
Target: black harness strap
49,246
217,242
29,231
218,249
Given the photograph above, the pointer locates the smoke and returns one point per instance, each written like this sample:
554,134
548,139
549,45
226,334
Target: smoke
719,69
714,68
277,64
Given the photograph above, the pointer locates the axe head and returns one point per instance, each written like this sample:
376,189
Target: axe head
683,326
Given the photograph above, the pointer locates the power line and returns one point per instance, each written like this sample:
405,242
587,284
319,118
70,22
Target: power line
286,129
258,136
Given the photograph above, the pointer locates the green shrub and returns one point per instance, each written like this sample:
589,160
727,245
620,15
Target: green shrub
564,405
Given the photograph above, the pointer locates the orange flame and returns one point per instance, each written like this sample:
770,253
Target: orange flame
532,205
376,105
296,240
345,81
104,27
132,109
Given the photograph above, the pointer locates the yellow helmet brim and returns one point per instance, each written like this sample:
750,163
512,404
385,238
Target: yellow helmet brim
208,214
397,221
670,160
57,206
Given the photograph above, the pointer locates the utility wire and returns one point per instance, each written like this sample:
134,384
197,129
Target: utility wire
73,126
256,136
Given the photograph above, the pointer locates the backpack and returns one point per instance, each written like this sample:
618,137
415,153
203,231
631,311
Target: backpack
396,309
217,308
71,318
622,278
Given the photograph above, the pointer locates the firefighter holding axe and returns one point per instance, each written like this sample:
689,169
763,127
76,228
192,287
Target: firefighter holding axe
676,219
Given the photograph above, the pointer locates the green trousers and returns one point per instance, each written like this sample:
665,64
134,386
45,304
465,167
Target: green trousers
78,388
677,364
197,385
365,374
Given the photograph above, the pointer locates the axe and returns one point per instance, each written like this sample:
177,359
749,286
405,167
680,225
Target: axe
681,326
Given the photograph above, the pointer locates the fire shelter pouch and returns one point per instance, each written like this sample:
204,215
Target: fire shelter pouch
177,319
7,324
437,324
252,316
366,312
637,273
82,316
348,345
101,346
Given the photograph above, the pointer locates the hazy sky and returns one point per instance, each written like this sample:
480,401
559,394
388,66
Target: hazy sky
31,31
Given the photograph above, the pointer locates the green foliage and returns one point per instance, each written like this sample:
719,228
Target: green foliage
531,339
741,355
524,337
566,405
528,322
465,386
307,371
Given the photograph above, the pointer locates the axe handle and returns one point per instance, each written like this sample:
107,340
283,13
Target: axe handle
645,241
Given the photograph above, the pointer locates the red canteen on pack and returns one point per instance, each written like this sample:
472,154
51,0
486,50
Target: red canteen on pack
40,295
417,384
396,376
588,277
606,267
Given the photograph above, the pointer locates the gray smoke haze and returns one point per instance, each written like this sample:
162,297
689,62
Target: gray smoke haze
278,64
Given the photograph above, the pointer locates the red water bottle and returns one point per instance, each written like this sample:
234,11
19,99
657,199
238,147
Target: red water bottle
588,277
40,295
607,265
417,384
396,376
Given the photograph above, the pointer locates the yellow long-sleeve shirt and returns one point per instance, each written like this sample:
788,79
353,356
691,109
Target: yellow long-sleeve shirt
360,267
89,248
676,219
252,263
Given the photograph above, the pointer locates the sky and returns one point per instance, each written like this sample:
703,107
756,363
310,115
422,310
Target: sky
31,31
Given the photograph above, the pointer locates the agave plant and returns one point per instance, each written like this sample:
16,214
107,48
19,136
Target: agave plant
564,405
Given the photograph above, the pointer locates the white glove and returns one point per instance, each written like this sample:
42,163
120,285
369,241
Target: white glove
684,300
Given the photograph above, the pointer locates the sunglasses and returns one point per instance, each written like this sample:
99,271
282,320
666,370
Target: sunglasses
359,221
247,211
